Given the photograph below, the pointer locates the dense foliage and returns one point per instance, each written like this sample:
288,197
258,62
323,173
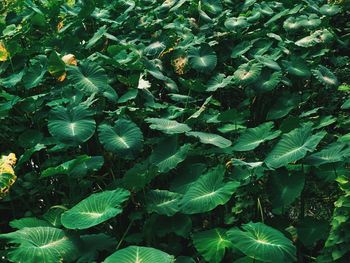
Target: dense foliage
174,131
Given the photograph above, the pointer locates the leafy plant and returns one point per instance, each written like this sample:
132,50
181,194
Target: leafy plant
174,131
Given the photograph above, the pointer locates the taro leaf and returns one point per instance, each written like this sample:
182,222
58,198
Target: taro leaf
236,23
56,66
253,137
211,244
167,126
35,73
28,222
91,78
346,105
93,244
241,49
311,230
297,67
88,77
267,81
292,24
71,125
95,209
212,6
135,254
208,192
136,178
64,168
310,22
178,224
202,59
124,138
12,80
154,49
336,152
189,172
218,81
285,188
268,62
247,73
294,146
325,76
96,37
41,244
330,10
163,202
166,156
90,165
210,138
262,242
319,36
283,106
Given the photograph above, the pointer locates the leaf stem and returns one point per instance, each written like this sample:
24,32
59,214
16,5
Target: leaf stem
125,233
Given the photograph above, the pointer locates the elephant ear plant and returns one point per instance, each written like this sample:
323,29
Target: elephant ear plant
174,131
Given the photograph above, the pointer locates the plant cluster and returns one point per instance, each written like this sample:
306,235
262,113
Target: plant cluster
174,131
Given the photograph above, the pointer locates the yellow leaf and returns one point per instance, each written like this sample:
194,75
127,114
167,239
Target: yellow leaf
4,54
62,77
70,60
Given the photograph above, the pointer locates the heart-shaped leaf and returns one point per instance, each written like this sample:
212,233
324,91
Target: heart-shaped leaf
95,209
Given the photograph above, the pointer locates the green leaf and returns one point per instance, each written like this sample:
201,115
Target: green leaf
166,156
28,222
56,66
253,137
262,242
247,73
210,138
294,146
35,73
211,244
330,10
297,67
124,138
325,76
95,209
208,192
285,188
71,125
163,202
241,49
91,78
267,81
202,59
134,254
218,81
311,230
337,152
41,244
286,103
236,23
93,244
167,126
